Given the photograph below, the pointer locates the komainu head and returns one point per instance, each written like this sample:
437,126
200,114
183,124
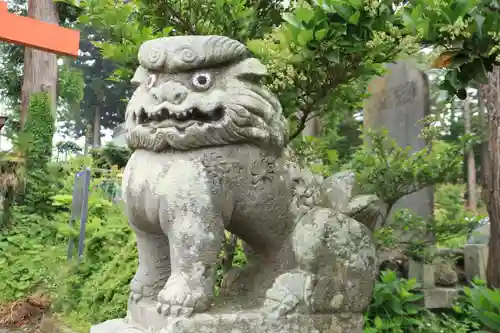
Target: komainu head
199,91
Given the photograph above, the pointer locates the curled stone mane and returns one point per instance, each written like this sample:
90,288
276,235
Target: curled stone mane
249,112
181,53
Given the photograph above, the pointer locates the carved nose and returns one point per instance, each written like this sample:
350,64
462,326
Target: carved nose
171,92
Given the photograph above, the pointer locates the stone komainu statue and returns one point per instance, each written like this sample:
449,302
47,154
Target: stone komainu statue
208,141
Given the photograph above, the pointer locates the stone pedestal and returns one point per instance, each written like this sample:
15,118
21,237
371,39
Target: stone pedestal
227,320
423,273
475,261
440,298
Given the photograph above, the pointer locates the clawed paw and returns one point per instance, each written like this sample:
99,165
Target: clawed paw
174,310
177,300
140,289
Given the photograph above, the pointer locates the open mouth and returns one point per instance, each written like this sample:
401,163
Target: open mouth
192,115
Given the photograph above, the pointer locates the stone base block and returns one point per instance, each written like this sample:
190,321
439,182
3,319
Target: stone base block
145,319
440,298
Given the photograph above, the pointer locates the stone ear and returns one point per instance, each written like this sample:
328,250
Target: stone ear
140,76
248,67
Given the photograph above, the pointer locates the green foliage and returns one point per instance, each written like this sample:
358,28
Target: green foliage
40,125
391,171
315,153
70,85
110,155
394,308
67,147
450,213
33,254
483,305
417,247
324,53
467,30
29,256
126,25
317,49
41,177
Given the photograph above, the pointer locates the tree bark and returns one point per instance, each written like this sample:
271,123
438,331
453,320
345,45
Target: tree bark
471,163
96,137
482,91
40,68
493,178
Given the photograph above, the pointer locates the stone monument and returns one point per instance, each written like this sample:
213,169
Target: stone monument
208,155
399,102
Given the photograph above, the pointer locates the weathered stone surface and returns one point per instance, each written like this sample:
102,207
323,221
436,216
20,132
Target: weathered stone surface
475,261
440,298
445,274
234,321
208,157
399,102
423,273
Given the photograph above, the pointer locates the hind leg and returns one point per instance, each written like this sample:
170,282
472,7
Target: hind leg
154,265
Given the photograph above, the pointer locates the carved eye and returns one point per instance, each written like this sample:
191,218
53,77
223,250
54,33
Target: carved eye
202,80
152,80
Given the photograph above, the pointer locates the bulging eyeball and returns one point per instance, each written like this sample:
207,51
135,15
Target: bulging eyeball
202,81
152,80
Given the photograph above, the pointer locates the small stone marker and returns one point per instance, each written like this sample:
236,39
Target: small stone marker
399,102
475,261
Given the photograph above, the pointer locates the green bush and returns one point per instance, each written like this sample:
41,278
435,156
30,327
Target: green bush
33,254
482,305
110,155
394,308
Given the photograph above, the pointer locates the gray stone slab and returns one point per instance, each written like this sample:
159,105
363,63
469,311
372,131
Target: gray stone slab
440,298
475,261
230,321
399,101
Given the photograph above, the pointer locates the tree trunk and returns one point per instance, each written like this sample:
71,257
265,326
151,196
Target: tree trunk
40,68
482,91
493,178
88,136
96,137
471,165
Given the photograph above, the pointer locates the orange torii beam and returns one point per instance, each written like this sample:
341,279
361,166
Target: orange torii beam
40,35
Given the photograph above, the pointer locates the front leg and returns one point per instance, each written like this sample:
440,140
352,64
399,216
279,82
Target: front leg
194,225
154,265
